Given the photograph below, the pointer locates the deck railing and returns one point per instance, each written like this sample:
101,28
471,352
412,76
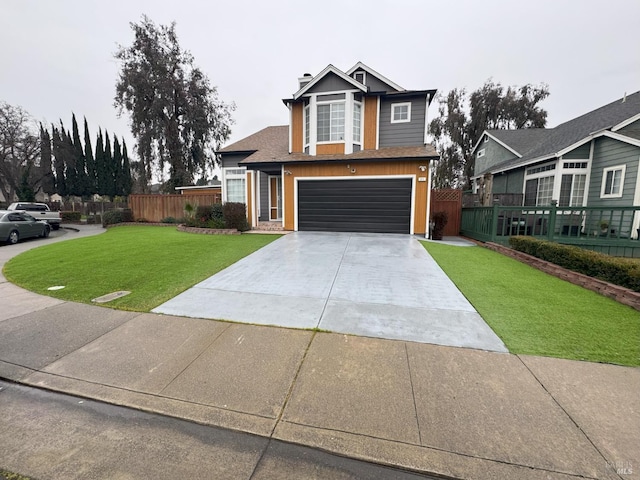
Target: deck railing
615,231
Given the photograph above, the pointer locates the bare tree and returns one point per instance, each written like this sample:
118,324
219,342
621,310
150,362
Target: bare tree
19,151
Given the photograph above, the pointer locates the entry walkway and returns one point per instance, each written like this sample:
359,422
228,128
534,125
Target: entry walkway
374,285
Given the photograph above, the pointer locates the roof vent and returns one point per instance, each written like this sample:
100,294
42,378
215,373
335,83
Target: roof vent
624,98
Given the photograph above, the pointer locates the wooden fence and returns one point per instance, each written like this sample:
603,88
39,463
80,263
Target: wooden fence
155,208
450,201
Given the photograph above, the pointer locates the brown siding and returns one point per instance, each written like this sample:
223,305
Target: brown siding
370,123
406,167
330,148
297,124
154,208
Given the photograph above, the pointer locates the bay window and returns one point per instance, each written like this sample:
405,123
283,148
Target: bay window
330,122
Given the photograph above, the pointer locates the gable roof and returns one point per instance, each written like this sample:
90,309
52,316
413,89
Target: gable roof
371,71
329,69
567,136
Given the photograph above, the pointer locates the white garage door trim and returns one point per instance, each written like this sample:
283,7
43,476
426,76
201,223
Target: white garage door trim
351,177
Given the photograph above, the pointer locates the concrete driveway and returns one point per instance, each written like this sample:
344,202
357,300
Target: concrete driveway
375,285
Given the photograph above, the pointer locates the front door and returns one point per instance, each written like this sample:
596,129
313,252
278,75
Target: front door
275,198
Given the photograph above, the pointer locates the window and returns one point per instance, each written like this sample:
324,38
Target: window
306,125
480,153
331,122
572,190
361,77
538,191
612,182
234,183
400,112
486,138
543,168
357,121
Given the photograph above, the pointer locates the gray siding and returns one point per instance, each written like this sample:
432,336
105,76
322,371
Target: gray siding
329,98
264,197
508,182
232,159
494,153
377,85
580,153
631,130
402,134
610,153
331,83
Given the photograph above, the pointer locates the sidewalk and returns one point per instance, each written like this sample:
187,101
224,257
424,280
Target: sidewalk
455,412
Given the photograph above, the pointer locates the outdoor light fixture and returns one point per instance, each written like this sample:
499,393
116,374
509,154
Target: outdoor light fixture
423,168
287,172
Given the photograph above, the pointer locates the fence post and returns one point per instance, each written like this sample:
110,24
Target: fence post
552,220
494,221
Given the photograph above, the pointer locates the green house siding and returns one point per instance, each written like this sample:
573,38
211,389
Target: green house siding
508,182
631,130
580,153
494,153
609,153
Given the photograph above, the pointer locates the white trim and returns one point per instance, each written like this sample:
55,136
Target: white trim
306,113
621,138
427,232
353,139
480,153
313,125
497,140
198,187
362,66
254,218
258,188
269,177
486,138
378,122
636,202
603,185
236,176
328,69
290,125
364,76
628,121
397,105
359,177
330,92
348,123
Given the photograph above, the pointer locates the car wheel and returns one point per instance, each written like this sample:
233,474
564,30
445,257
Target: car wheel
14,236
46,231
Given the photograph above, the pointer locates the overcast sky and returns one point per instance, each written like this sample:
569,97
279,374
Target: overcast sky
56,57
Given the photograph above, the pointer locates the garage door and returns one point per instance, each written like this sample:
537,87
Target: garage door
367,205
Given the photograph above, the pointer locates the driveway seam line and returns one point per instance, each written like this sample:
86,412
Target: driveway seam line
292,386
606,460
413,393
324,308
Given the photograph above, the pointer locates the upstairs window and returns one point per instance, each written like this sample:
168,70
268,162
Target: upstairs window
400,112
357,122
307,125
612,181
331,122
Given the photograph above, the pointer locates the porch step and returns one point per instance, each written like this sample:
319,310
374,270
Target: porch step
269,226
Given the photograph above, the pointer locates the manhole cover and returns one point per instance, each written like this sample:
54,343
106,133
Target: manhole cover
110,296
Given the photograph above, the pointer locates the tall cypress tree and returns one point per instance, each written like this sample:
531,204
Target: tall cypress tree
117,167
59,162
100,183
82,187
108,168
89,161
46,167
68,155
127,181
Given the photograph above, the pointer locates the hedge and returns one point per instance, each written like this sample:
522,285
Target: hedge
619,271
70,217
121,215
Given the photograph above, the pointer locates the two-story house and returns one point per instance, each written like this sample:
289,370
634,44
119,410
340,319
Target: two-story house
354,157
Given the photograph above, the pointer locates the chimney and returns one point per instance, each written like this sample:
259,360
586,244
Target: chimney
306,78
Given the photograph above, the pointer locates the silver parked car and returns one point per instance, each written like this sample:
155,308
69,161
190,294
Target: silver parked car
15,226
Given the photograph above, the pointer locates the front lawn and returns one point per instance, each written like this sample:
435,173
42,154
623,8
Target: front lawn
538,314
153,263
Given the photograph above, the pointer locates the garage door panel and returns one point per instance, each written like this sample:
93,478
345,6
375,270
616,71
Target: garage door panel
351,205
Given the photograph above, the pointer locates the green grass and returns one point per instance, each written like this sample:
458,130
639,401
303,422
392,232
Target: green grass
154,263
538,314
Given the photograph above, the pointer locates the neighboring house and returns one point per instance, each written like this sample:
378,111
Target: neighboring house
354,157
592,160
213,188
